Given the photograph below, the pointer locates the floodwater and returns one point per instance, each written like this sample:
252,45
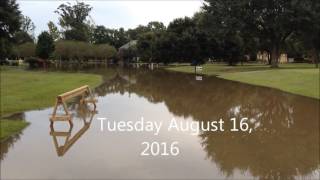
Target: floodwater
284,143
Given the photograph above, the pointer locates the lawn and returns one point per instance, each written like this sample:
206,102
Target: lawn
302,79
10,127
23,90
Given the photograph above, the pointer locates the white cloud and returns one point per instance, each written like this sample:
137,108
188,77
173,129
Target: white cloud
114,14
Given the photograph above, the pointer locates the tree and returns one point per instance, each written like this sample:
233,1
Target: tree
156,26
134,33
184,36
146,46
120,38
26,50
76,35
73,50
82,51
104,51
45,45
26,32
114,37
165,48
102,35
21,37
272,21
129,54
10,24
308,27
224,21
264,23
64,49
53,31
74,20
27,26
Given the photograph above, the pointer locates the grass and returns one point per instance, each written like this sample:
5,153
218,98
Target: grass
301,79
23,90
11,127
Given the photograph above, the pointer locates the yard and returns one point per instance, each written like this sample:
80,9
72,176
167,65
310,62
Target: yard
23,90
301,79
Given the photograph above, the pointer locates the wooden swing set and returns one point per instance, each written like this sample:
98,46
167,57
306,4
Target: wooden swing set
62,98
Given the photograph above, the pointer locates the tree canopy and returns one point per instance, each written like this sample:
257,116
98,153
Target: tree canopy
74,19
223,30
45,45
10,23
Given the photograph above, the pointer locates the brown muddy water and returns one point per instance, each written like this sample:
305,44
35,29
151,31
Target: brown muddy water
283,145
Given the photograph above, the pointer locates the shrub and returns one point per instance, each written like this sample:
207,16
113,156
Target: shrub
34,62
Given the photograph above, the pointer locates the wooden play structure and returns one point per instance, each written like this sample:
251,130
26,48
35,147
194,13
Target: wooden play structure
86,97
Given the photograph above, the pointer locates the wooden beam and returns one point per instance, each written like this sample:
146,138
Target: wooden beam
62,98
75,92
61,118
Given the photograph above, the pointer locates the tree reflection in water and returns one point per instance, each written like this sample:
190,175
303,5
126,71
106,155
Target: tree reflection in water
284,143
6,145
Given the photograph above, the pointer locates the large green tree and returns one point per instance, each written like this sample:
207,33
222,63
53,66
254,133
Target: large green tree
9,24
165,48
154,26
146,46
27,25
21,37
186,38
45,45
273,21
103,35
74,19
134,33
120,38
264,23
308,27
224,20
26,32
54,31
114,37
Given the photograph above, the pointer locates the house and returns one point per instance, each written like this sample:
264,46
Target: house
264,56
127,52
128,45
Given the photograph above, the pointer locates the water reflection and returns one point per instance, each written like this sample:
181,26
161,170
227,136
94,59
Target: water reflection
84,112
284,144
285,141
9,143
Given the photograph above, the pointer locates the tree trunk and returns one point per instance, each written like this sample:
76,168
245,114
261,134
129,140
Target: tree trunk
269,58
315,56
275,56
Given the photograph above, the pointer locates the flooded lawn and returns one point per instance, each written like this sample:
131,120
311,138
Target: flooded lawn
283,145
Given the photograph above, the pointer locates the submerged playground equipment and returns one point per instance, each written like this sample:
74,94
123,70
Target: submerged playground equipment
69,139
86,97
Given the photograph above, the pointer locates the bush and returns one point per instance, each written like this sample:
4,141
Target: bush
77,50
26,50
34,62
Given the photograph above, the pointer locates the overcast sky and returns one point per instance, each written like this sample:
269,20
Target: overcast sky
112,13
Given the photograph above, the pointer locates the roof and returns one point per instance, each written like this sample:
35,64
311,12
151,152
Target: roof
129,44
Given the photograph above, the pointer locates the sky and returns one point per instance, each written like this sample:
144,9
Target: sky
112,13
